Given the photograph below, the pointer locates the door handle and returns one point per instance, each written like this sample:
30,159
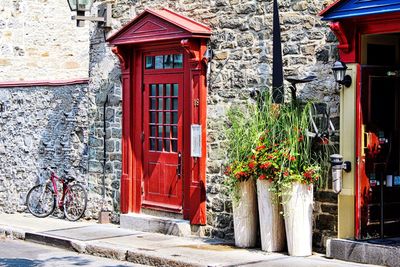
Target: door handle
179,168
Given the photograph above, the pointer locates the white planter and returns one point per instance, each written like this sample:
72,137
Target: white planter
272,228
245,215
298,209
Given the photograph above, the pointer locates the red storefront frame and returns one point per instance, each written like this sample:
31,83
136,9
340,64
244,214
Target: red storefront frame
349,32
162,30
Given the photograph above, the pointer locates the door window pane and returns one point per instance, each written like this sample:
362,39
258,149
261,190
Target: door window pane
167,89
174,132
160,131
152,144
159,60
174,103
168,62
160,104
160,89
152,117
168,103
153,90
175,89
167,117
174,145
178,61
149,62
166,145
159,144
175,117
167,132
152,103
152,131
160,117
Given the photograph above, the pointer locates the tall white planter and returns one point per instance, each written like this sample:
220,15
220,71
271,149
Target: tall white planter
245,215
272,228
298,209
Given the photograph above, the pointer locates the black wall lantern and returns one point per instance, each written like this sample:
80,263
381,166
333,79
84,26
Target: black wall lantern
81,6
339,71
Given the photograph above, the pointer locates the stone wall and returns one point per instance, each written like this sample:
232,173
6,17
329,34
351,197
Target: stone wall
39,41
242,46
47,126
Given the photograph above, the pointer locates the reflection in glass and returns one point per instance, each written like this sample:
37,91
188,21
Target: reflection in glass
166,145
175,89
152,131
159,144
168,62
167,132
167,89
152,117
152,144
159,62
175,103
168,103
160,117
174,132
149,62
153,88
174,145
178,61
168,117
160,89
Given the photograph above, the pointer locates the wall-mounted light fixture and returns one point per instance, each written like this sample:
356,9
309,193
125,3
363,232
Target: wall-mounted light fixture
338,166
2,107
81,6
339,71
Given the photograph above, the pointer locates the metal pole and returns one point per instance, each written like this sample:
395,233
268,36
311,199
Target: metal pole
277,69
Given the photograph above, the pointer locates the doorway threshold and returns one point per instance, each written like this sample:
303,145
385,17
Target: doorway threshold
374,251
154,224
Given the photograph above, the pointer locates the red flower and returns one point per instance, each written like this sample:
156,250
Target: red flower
252,164
265,165
292,158
260,147
286,174
262,177
228,170
301,138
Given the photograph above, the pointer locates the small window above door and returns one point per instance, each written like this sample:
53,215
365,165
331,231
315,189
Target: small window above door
159,62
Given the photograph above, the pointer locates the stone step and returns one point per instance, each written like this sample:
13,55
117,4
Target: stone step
384,252
154,224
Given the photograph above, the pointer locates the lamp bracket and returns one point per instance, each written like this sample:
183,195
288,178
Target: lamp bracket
104,16
346,81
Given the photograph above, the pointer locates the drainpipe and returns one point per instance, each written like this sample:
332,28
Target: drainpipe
104,216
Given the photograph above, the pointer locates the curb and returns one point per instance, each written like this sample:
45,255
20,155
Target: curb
97,249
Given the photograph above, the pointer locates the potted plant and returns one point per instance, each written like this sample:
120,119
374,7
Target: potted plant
298,170
242,133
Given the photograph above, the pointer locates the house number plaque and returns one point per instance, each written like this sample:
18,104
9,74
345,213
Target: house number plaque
195,140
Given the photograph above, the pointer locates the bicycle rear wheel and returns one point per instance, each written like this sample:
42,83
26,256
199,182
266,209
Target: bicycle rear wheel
41,201
75,201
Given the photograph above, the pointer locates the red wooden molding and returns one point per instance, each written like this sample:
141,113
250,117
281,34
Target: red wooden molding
340,33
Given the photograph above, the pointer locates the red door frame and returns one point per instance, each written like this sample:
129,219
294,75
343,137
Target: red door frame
195,111
349,33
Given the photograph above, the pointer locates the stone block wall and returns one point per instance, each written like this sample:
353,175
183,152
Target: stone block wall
39,41
49,126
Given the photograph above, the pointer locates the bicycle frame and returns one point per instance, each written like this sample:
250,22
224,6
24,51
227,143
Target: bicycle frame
54,178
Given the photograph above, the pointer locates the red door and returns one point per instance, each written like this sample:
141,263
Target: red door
162,138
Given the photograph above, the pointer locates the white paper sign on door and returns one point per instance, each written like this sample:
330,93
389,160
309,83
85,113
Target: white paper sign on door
195,136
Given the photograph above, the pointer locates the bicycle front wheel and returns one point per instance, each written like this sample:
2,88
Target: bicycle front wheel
41,201
75,201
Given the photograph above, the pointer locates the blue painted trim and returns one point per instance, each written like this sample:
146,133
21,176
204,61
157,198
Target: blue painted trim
355,8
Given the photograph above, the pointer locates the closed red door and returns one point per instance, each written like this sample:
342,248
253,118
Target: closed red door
162,139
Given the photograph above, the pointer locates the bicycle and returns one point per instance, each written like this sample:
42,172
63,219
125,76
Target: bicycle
41,199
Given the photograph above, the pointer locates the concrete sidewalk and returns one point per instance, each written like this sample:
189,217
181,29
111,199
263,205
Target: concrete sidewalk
145,248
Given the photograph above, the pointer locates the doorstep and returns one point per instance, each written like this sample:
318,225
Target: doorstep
379,251
154,224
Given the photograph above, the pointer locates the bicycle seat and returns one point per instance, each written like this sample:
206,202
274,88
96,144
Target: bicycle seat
69,179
